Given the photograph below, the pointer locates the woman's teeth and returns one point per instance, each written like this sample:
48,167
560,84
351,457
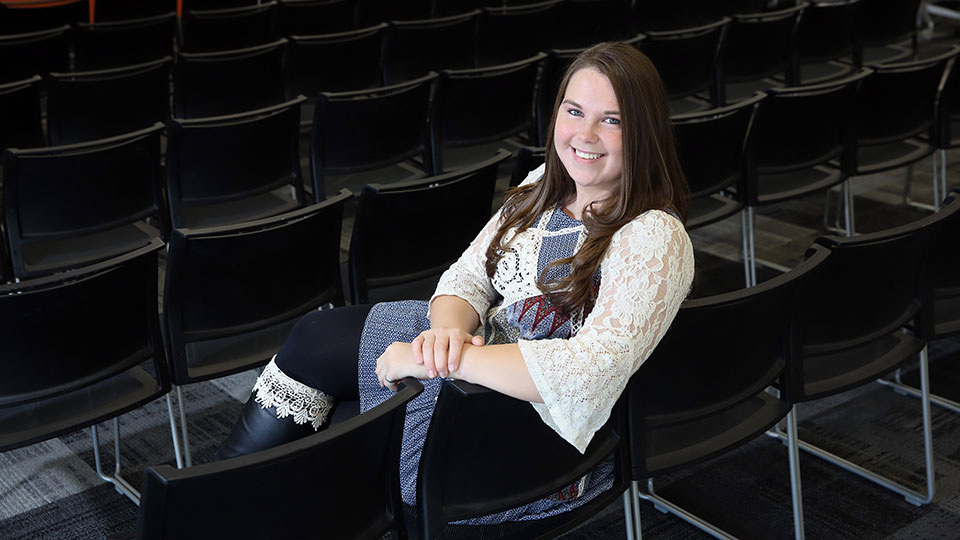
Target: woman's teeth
586,155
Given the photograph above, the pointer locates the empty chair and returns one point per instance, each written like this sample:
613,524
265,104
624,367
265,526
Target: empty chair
89,105
411,48
356,462
233,292
585,22
800,144
225,82
828,32
389,218
75,205
309,17
20,110
472,465
351,144
688,61
125,42
120,10
34,15
78,349
896,114
757,47
888,29
234,168
531,29
702,392
227,29
34,53
462,133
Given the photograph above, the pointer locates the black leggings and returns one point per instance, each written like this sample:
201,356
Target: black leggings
322,350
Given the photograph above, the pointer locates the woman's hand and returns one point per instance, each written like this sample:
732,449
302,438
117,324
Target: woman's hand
396,363
438,349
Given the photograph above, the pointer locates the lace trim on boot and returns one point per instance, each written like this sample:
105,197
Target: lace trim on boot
275,388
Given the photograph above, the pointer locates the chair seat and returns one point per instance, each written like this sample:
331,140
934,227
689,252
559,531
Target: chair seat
946,311
707,210
391,174
42,256
836,372
882,157
224,356
776,187
681,445
27,424
253,208
459,157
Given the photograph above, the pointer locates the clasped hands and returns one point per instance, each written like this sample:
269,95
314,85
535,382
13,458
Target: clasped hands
435,352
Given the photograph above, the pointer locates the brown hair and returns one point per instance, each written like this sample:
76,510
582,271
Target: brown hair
651,174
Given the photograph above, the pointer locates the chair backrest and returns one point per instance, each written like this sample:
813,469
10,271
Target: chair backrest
940,265
69,332
344,482
228,29
222,158
486,452
338,62
20,110
829,30
888,21
218,4
531,29
370,12
719,353
31,16
688,59
585,22
761,45
800,127
90,105
899,100
124,42
120,10
411,49
379,256
508,89
662,15
249,282
350,130
226,82
308,17
528,159
711,146
34,53
68,191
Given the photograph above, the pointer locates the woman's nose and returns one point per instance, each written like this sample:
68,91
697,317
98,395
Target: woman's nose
587,133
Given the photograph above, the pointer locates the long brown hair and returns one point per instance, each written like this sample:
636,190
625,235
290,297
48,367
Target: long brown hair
651,174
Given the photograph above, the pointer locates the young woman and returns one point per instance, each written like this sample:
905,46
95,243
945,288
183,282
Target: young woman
573,283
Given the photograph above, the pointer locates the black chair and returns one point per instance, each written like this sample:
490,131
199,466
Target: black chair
532,28
410,48
233,292
486,452
356,462
20,110
757,47
228,29
35,15
217,4
309,17
585,22
460,132
34,53
352,145
370,12
888,29
121,10
77,349
801,143
234,168
688,61
226,82
75,205
110,44
528,159
702,392
90,105
666,15
380,247
896,117
845,344
829,31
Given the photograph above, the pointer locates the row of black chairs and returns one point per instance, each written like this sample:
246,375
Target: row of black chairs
799,333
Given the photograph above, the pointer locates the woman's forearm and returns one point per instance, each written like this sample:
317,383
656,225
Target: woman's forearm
449,311
500,368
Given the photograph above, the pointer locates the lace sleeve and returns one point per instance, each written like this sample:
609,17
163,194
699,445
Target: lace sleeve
645,276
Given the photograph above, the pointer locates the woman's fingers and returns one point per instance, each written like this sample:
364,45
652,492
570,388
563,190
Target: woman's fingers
453,360
417,347
428,352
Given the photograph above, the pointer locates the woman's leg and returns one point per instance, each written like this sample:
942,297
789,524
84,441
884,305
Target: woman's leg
315,368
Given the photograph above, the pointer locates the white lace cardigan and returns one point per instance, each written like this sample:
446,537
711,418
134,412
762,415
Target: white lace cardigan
646,274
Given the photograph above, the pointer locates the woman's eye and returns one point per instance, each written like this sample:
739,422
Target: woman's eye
575,112
612,121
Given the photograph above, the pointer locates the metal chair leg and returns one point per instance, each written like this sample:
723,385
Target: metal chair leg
848,216
121,485
796,492
183,428
745,237
943,174
173,432
666,506
631,512
936,183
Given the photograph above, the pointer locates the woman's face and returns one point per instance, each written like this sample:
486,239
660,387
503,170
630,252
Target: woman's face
587,134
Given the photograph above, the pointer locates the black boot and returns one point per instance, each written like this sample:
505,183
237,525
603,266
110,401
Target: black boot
258,429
